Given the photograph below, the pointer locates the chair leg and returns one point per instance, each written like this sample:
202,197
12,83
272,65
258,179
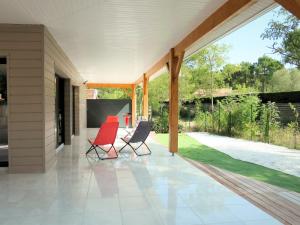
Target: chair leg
105,150
93,147
147,148
103,158
90,149
135,149
123,147
97,153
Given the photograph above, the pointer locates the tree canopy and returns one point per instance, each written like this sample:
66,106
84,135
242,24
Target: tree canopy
284,31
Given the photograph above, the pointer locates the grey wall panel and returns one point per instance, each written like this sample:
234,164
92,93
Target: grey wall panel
99,109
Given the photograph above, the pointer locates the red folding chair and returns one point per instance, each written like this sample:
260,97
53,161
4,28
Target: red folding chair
111,118
106,136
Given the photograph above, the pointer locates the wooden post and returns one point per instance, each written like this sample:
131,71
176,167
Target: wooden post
133,104
145,96
174,66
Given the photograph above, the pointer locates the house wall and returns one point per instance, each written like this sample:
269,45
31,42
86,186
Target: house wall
56,61
23,46
33,59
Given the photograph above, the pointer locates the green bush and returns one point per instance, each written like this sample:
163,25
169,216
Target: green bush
269,120
247,117
231,116
161,123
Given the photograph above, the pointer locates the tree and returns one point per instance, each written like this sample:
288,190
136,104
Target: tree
285,33
281,81
229,70
241,77
295,79
265,68
158,91
186,87
206,68
113,93
285,80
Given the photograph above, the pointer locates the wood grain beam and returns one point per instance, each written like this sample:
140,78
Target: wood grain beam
225,12
155,68
145,97
293,6
108,85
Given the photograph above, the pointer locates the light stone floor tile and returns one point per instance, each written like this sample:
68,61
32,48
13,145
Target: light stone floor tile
134,203
262,222
180,216
141,217
150,190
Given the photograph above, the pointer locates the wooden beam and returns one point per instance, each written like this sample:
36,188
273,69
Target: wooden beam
145,96
174,68
179,62
293,6
133,104
108,85
140,80
225,12
155,68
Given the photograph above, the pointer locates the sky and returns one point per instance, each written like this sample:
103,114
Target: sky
246,43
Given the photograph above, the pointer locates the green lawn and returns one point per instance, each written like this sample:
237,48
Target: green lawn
192,149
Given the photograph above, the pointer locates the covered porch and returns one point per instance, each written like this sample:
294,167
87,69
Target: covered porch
90,44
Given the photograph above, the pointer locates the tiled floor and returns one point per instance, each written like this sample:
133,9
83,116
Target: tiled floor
150,190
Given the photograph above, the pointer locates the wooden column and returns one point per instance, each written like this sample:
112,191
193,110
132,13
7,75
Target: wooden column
133,104
174,66
145,96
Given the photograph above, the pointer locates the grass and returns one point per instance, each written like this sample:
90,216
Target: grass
192,149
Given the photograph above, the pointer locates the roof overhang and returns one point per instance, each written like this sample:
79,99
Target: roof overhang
118,41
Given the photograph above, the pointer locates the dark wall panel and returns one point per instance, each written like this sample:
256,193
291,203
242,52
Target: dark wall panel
99,109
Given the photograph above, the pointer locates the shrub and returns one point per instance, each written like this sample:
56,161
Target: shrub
161,123
269,119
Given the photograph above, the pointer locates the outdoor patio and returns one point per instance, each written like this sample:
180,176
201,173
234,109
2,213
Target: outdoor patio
156,189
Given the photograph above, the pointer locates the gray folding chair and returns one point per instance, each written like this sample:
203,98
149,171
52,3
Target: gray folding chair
140,135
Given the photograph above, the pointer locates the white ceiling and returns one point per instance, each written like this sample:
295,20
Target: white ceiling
112,41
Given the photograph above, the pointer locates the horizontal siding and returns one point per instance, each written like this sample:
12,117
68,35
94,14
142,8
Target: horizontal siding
35,143
26,117
23,44
25,82
14,28
26,72
26,108
27,168
16,99
20,37
25,126
55,60
30,152
25,91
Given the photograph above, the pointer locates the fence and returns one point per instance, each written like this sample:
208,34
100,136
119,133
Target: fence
257,122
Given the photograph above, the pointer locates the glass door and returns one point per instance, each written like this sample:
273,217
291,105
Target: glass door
3,114
73,109
59,111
